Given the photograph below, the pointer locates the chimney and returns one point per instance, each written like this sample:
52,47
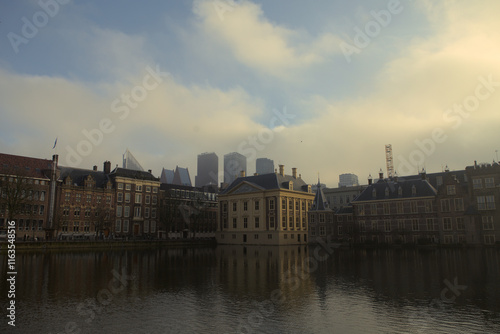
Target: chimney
381,174
94,168
294,172
282,170
107,167
370,180
423,174
475,164
55,159
150,171
395,176
300,176
242,173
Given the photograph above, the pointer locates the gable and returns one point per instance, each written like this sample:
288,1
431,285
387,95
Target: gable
245,187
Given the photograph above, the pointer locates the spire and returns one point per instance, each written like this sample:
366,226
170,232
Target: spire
320,203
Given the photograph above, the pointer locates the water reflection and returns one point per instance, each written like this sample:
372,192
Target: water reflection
293,289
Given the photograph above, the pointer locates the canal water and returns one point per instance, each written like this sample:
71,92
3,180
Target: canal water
230,289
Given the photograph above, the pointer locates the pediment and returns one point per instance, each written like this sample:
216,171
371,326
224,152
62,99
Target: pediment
246,187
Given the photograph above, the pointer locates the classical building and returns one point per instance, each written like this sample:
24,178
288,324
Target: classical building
136,202
267,209
397,211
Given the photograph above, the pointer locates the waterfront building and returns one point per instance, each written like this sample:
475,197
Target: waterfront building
234,164
484,194
27,195
264,166
85,203
342,196
187,212
136,202
320,217
208,170
267,209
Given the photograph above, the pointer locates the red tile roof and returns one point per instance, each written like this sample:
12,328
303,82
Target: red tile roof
30,167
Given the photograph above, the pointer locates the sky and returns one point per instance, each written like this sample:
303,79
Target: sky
322,86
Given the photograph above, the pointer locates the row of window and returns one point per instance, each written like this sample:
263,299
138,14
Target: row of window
125,210
88,197
27,224
123,226
415,224
78,227
148,199
488,182
138,188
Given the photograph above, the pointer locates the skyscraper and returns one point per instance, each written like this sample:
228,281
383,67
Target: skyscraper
348,180
264,166
208,169
234,163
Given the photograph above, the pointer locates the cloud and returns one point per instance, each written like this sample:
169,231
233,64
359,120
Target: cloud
258,43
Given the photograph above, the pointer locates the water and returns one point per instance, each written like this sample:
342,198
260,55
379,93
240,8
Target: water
256,290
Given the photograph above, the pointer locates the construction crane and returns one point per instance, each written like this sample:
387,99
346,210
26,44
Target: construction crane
389,160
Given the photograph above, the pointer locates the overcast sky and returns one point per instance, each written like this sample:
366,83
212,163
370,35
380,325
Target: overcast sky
322,86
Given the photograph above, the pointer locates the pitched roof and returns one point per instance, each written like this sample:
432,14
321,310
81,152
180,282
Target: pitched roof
26,166
167,176
269,181
320,203
79,175
389,189
181,176
132,174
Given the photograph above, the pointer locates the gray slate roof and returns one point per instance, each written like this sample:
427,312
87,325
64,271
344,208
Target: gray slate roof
78,176
269,181
320,203
423,189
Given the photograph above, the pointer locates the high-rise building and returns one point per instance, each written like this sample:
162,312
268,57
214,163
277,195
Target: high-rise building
234,164
348,180
264,166
208,170
130,162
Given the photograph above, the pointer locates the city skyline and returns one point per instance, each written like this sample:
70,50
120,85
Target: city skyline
171,80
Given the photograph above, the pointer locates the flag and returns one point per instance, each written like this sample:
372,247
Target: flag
55,143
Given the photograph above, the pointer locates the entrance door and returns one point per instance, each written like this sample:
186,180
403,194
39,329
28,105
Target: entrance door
136,229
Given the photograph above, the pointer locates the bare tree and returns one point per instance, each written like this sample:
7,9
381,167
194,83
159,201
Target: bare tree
103,217
16,190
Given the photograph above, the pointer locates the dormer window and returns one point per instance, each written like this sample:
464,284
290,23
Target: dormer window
290,185
386,192
374,193
400,191
414,190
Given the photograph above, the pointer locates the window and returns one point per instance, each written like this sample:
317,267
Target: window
303,222
245,206
155,190
78,197
362,226
477,183
450,190
148,189
118,210
147,199
235,206
430,224
138,187
120,186
401,224
125,226
361,210
447,225
137,212
257,223
256,205
283,223
414,225
155,200
235,222
448,239
297,205
321,217
245,222
153,215
460,224
146,226
283,204
387,209
119,197
271,222
98,199
256,236
271,204
76,226
67,196
459,204
128,186
387,225
146,212
489,182
89,198
126,212
290,222
340,230
414,208
489,239
486,202
76,213
127,197
118,225
138,198
322,230
445,205
488,223
290,204
42,196
108,199
400,207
